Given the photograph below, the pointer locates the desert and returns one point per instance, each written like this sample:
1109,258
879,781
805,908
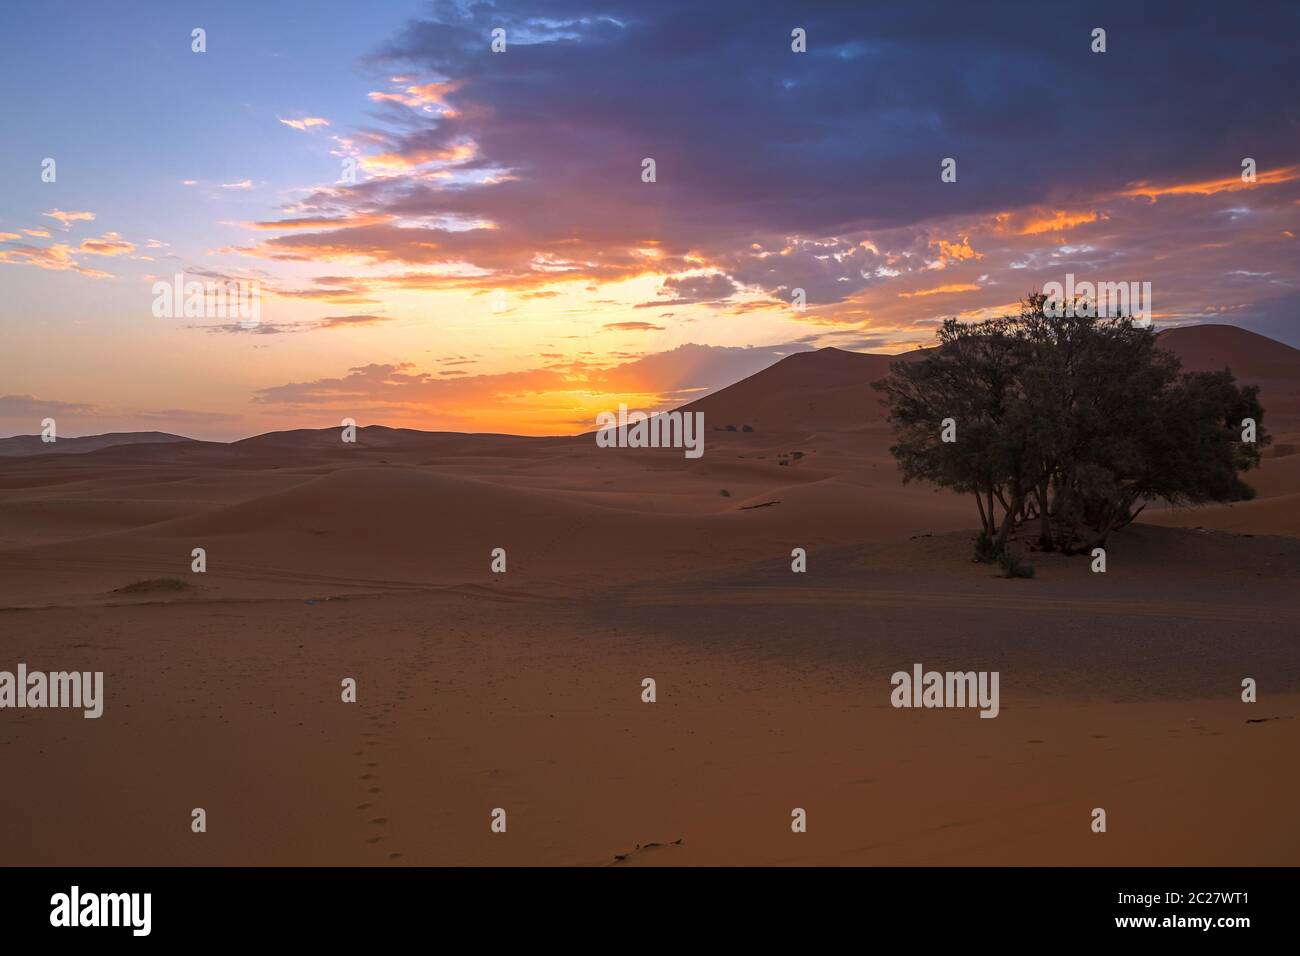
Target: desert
479,690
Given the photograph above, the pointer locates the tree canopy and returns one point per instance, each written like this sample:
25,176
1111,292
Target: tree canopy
1070,422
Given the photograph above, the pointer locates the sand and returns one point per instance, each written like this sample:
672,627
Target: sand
523,690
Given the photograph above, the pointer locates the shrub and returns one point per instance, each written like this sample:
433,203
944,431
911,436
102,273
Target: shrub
155,584
1013,567
986,549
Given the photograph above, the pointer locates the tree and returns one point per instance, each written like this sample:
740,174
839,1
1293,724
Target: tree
1070,420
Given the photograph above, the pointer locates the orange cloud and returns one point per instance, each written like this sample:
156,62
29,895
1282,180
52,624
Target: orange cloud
400,162
941,290
318,222
1209,187
955,251
68,218
110,244
416,97
57,258
1058,221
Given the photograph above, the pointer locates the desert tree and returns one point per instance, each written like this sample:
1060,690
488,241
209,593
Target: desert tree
1069,419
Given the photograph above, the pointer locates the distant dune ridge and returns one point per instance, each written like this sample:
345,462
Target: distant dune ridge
814,467
33,445
821,390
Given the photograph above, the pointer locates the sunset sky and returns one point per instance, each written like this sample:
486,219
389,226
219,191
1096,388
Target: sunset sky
515,178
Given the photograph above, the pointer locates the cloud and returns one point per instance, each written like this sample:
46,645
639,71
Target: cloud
57,258
816,171
632,327
538,401
28,406
1033,222
941,290
306,122
955,252
318,222
68,218
683,290
110,244
242,184
186,416
309,325
1208,187
339,321
429,97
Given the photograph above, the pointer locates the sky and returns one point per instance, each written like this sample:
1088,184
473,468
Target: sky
451,237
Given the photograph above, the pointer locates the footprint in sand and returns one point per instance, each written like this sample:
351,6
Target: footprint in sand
644,848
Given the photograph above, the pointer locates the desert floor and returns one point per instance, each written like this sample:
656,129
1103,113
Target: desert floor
523,690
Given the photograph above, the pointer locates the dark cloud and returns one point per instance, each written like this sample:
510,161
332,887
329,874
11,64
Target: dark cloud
709,289
776,169
28,406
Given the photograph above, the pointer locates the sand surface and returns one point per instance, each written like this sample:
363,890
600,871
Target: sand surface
523,690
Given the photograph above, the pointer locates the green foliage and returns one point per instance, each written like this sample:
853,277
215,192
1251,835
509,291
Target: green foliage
1074,422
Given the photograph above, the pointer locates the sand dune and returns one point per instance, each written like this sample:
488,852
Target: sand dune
34,445
480,690
822,390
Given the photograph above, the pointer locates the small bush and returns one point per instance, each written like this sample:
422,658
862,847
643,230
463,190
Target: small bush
155,584
986,550
725,493
1013,567
746,428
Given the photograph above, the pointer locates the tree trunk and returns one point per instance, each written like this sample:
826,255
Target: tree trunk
1007,521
